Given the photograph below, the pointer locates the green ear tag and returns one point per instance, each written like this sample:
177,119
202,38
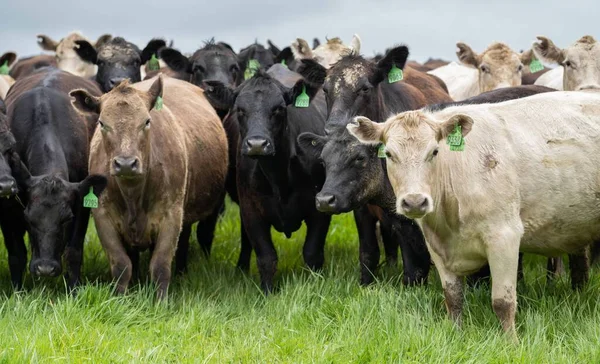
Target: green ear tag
90,200
253,66
535,66
158,105
153,64
302,100
395,74
381,151
283,63
455,139
4,68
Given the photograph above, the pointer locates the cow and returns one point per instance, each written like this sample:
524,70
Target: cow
433,63
52,143
357,86
257,52
117,59
67,58
498,66
553,79
165,152
580,63
26,66
477,179
325,54
274,182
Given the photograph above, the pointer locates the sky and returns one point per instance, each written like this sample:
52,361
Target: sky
430,28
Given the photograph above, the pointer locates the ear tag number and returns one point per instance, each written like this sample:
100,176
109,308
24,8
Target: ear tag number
302,100
90,200
455,139
395,74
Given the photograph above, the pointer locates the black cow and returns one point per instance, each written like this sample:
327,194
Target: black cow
117,60
274,182
264,56
53,142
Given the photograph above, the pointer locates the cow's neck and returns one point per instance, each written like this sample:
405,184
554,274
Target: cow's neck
445,217
377,109
135,219
46,155
276,169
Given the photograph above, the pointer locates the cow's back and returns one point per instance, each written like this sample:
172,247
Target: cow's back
462,81
552,79
428,85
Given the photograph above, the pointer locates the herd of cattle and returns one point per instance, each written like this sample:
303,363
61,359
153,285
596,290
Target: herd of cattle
461,164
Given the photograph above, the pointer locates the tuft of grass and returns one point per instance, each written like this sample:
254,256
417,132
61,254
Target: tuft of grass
217,314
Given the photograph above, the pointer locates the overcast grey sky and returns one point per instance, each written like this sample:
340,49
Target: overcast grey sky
428,27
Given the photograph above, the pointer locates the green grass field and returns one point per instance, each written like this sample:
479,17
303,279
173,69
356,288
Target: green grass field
218,314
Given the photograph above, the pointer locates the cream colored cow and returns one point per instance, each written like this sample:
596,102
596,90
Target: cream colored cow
66,57
580,63
498,66
326,54
528,180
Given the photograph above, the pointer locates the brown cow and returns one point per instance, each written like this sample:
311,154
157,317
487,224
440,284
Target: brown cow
167,170
26,66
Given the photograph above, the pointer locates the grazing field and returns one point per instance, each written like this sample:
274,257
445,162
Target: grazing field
217,314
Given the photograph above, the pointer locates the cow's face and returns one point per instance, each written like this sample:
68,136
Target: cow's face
581,62
67,58
325,54
412,144
499,66
125,125
353,172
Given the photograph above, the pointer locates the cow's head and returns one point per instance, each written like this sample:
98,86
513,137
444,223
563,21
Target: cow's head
67,58
351,84
125,125
325,54
264,56
260,106
353,172
51,204
8,185
581,61
413,145
117,59
498,66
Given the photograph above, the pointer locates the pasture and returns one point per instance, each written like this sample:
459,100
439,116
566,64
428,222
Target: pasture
215,313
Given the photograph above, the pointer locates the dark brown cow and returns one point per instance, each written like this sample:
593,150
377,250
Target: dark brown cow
26,66
167,171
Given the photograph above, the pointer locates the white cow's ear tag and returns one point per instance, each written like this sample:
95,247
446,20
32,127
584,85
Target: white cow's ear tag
455,139
381,151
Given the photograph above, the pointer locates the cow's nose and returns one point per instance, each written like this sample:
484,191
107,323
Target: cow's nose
257,146
325,202
115,81
47,268
8,187
126,165
415,205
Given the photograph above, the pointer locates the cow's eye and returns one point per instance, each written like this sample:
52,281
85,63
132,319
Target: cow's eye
147,125
388,154
102,125
359,159
484,68
435,152
520,68
569,64
199,68
233,69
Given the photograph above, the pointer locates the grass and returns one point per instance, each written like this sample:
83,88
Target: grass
217,314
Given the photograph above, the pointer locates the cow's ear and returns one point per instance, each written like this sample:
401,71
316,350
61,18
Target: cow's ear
47,43
86,51
365,130
103,39
311,144
19,171
316,43
301,49
527,57
226,45
155,91
85,102
175,60
547,52
464,121
396,56
97,182
153,47
9,58
285,55
273,48
467,56
220,96
301,86
355,44
313,72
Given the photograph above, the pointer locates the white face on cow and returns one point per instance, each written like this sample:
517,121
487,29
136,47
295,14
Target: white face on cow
326,54
581,62
498,66
412,145
66,58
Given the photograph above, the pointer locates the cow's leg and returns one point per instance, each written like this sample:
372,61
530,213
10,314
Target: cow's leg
368,246
415,257
579,265
120,264
134,256
502,248
183,246
245,251
595,253
554,268
317,226
205,230
259,234
74,249
17,252
391,243
164,251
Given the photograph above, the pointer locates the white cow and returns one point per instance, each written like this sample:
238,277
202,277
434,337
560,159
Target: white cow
326,54
528,180
552,78
498,66
580,63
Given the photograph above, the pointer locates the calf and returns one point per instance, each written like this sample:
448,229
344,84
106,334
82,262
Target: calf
117,59
485,181
167,162
274,182
53,143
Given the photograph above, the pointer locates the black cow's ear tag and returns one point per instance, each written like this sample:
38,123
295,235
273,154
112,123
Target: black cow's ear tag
395,74
158,105
90,200
302,100
153,64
